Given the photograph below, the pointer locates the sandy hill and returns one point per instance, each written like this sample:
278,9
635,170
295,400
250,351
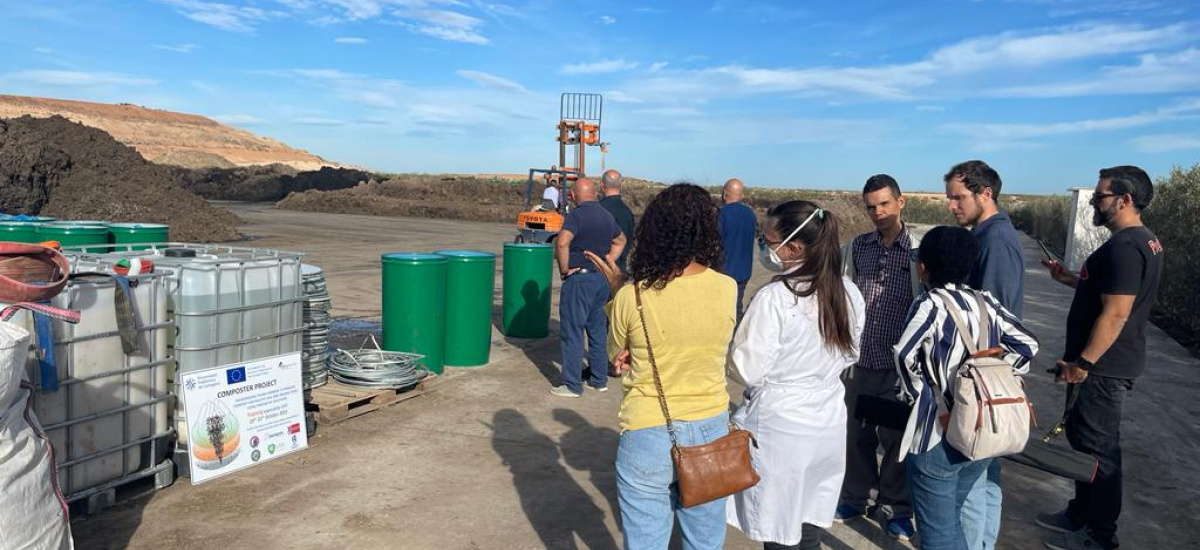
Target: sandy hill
167,137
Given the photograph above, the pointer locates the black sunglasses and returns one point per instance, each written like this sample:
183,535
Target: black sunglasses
1097,197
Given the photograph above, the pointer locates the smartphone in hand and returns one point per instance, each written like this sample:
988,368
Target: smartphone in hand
1049,256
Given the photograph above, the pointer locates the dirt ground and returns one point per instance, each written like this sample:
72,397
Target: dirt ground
489,460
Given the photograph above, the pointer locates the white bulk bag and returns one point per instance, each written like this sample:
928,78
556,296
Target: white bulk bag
33,513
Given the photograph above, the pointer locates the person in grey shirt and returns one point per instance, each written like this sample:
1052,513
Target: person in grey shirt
973,189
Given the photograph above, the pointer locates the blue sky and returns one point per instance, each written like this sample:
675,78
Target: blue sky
795,94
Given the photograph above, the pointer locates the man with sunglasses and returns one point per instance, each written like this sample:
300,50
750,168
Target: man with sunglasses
1105,351
882,264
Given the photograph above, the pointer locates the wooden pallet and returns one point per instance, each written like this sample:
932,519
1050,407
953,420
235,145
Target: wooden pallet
336,402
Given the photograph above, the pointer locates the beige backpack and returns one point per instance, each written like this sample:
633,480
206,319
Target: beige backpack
990,415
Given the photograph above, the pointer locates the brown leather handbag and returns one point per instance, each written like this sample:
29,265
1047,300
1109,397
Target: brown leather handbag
710,471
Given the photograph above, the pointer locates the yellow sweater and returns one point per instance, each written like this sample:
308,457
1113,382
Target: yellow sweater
691,322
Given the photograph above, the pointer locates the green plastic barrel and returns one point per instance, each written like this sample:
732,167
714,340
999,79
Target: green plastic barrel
70,234
81,222
528,269
470,283
19,232
414,306
124,233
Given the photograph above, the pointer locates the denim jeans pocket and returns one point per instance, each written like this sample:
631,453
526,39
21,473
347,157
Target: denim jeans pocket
712,431
934,463
647,452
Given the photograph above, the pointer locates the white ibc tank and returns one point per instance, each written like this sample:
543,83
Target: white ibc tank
109,419
229,304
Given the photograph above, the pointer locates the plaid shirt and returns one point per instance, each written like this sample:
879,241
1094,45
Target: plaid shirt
883,275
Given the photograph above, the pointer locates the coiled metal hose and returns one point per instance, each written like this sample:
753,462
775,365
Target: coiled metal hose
375,368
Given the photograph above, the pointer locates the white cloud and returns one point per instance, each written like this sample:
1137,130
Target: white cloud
444,24
1069,43
239,119
931,108
78,79
350,40
599,67
607,20
621,97
223,16
995,136
180,48
990,57
443,19
43,50
451,34
1154,73
492,81
658,66
1164,143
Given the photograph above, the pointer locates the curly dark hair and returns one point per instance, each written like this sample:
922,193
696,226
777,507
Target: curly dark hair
678,227
948,254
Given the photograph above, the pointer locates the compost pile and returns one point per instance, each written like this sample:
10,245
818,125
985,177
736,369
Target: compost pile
265,183
55,167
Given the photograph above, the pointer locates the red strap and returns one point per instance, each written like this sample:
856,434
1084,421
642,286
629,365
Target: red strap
67,315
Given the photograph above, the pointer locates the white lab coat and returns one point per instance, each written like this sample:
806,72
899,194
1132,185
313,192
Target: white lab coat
795,406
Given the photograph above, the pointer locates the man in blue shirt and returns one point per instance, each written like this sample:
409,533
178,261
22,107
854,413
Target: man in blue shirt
589,227
973,189
738,226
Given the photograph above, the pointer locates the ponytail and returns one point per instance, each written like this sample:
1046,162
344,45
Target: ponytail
821,270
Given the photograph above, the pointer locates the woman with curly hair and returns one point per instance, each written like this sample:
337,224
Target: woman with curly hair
798,335
690,313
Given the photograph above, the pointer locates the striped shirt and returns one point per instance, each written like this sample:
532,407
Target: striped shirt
930,352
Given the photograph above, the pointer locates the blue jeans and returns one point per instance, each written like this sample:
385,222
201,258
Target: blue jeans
981,509
649,496
940,480
581,314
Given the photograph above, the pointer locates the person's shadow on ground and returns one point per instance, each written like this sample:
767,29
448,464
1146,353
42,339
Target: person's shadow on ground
556,506
591,449
542,351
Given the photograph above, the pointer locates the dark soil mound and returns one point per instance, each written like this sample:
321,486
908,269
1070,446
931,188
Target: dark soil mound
445,197
266,183
55,167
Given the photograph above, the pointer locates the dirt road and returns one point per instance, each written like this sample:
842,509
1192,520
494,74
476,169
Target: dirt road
489,460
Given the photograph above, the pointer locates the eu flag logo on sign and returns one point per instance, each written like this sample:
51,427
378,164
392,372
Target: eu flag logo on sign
236,376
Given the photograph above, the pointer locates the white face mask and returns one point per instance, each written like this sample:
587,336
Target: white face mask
769,257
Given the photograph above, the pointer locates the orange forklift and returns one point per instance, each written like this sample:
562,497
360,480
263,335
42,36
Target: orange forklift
578,128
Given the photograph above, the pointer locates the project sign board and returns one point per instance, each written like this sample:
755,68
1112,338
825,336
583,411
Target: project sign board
243,414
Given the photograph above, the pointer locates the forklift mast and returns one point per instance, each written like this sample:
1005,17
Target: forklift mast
578,127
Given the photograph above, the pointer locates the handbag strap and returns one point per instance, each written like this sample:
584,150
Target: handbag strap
662,396
964,332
